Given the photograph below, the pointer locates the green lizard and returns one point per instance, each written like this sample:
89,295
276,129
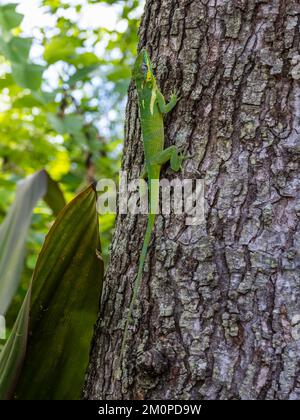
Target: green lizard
152,107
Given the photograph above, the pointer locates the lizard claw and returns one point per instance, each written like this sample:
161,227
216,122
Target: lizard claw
183,148
182,154
175,96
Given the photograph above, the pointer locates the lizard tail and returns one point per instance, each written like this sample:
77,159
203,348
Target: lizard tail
137,284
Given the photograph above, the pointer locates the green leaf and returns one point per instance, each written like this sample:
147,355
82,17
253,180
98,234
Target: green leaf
16,50
12,355
57,123
92,136
35,99
81,74
54,196
9,18
44,97
66,289
6,81
85,59
27,75
26,101
71,123
60,48
13,233
54,4
14,229
119,73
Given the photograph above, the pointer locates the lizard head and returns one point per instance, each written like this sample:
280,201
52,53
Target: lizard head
142,70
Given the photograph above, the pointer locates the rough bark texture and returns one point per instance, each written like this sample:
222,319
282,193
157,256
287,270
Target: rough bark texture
219,311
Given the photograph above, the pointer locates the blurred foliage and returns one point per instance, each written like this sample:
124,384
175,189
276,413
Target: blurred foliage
63,87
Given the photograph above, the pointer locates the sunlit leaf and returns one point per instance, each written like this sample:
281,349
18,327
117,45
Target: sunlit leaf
26,101
9,18
119,73
44,97
27,75
60,48
59,166
54,4
16,50
71,123
6,81
85,59
81,74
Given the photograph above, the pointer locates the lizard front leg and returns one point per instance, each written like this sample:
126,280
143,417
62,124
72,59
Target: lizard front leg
166,107
172,154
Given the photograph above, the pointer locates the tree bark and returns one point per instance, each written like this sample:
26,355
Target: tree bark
218,314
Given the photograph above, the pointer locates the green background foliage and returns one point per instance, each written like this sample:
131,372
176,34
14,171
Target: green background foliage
63,87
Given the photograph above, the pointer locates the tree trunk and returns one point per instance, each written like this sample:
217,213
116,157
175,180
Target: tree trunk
218,314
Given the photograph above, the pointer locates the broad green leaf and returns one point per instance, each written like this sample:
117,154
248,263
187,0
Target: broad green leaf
71,123
6,81
85,59
119,73
66,289
26,101
74,123
12,355
54,196
57,123
35,99
44,97
13,234
60,48
81,74
27,75
16,50
20,48
14,229
92,135
9,18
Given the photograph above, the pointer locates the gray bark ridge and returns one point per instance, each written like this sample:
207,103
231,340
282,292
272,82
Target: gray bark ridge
219,311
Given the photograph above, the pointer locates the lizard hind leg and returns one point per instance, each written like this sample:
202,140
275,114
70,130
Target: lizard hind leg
180,156
172,154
